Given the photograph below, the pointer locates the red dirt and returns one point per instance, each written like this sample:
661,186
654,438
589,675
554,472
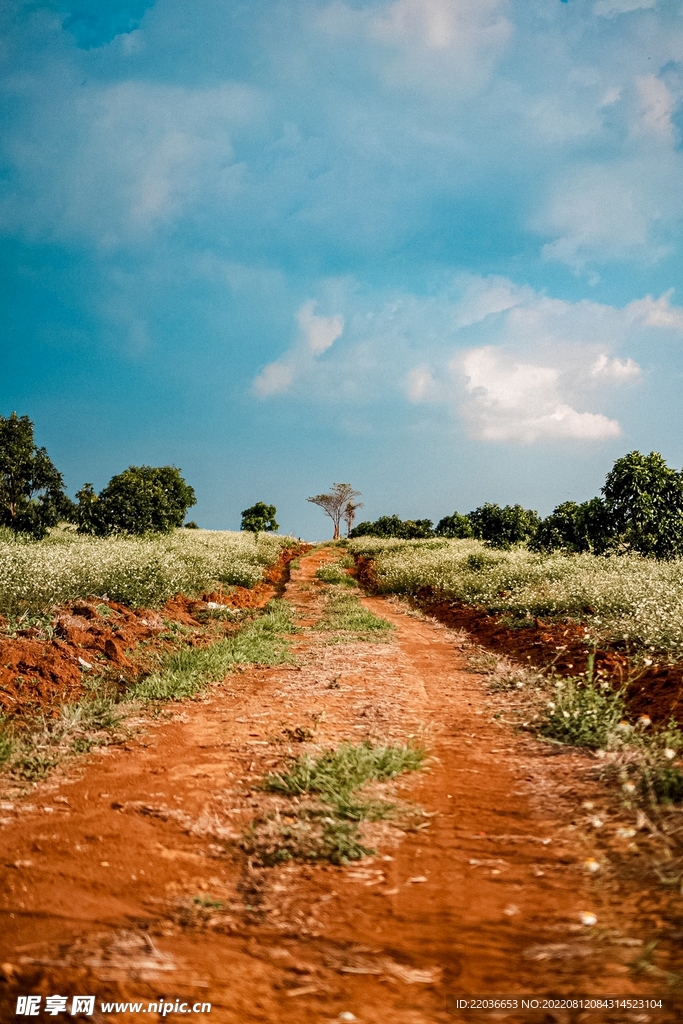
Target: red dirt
39,674
656,690
124,877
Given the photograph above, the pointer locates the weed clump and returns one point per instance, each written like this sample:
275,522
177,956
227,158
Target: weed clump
328,825
346,617
189,671
335,573
584,714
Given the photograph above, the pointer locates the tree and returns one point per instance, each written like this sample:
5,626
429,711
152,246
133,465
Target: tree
349,514
454,526
644,500
259,518
334,503
575,528
32,494
394,526
501,527
142,499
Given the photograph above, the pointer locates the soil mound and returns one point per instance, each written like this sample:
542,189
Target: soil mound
43,668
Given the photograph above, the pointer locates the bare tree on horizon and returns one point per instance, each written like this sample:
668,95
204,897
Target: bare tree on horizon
335,503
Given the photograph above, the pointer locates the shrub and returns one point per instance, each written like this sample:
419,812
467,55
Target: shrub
502,527
142,499
455,526
393,526
584,714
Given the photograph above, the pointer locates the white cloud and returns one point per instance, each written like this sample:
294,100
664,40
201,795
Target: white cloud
514,364
420,384
657,312
426,45
113,163
612,8
320,332
656,105
617,369
508,400
316,335
613,211
274,379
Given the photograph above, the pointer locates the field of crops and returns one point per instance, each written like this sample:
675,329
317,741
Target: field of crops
619,598
138,571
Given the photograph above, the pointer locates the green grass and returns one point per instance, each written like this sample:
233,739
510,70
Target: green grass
328,826
335,573
188,671
584,714
346,617
31,752
336,774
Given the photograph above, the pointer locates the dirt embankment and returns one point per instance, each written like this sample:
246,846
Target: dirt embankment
42,669
655,690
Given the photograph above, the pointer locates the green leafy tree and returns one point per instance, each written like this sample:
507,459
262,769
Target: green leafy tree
142,499
394,526
502,527
334,503
644,500
32,494
455,526
575,528
260,518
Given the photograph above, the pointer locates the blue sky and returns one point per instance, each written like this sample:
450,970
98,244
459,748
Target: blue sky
428,247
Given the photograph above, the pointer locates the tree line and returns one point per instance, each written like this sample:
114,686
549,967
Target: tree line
640,509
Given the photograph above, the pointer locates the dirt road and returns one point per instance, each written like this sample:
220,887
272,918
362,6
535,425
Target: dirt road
123,876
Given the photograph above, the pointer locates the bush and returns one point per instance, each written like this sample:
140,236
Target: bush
584,714
575,528
502,527
393,526
454,527
142,499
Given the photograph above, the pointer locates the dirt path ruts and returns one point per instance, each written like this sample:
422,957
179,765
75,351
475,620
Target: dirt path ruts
123,876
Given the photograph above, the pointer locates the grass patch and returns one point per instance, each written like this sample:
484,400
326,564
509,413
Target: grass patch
328,825
335,573
191,670
345,616
584,714
32,751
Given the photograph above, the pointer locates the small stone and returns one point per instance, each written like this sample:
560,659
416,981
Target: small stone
587,919
669,754
418,878
511,910
347,1015
83,663
592,865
